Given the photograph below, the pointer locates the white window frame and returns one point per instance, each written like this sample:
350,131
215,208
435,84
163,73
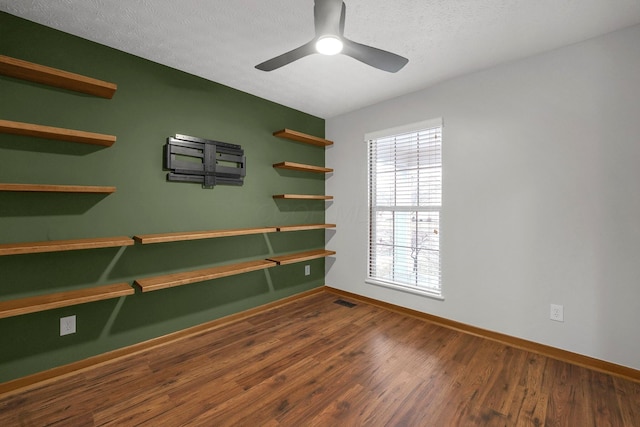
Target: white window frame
374,208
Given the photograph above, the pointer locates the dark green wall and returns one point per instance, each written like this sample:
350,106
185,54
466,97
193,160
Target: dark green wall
152,102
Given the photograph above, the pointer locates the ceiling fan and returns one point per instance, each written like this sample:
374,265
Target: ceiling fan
329,17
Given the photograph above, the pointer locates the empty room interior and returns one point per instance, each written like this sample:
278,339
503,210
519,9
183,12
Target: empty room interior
320,212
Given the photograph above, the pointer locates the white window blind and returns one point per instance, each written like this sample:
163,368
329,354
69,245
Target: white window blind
405,198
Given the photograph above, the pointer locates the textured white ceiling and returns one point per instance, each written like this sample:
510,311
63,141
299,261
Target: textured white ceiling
222,40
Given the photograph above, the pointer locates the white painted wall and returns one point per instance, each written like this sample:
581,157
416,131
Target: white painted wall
541,197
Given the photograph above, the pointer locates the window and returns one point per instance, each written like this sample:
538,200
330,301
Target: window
405,198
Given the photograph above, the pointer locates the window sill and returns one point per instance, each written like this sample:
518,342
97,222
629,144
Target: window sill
423,293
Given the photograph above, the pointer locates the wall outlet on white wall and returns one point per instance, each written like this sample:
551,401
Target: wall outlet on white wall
557,313
67,325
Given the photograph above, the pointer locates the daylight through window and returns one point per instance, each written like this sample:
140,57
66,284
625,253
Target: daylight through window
405,198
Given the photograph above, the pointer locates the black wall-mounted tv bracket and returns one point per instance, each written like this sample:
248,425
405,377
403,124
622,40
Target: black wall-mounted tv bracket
212,163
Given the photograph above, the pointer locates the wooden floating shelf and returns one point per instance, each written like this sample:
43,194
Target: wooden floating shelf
302,197
49,132
25,70
301,167
185,278
63,299
64,245
301,256
193,235
302,227
211,234
302,137
57,188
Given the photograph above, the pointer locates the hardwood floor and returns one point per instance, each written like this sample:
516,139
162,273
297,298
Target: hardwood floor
313,362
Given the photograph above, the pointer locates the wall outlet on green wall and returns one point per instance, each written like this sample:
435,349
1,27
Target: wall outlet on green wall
67,325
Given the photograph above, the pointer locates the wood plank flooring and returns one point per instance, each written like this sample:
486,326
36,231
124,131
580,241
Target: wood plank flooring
313,362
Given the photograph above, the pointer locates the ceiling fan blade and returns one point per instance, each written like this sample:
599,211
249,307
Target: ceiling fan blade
288,57
377,58
343,14
328,16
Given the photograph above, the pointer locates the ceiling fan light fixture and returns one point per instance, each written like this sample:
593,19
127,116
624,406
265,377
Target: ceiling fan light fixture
329,45
328,18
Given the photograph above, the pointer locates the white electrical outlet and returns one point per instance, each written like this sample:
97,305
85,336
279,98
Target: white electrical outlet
557,313
307,270
67,325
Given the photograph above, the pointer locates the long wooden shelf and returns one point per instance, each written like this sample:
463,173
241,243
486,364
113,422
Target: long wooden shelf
50,132
63,299
185,278
301,227
25,70
46,188
302,196
302,137
301,167
193,235
64,245
211,234
301,256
